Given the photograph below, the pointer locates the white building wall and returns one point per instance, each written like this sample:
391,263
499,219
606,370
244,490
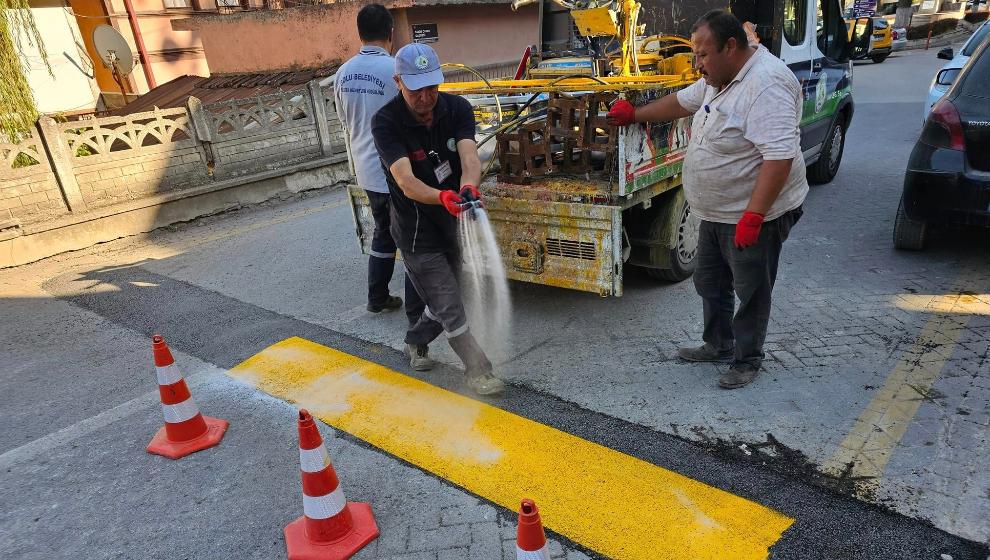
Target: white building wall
72,88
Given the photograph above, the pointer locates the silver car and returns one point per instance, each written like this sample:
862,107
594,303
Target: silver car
898,37
948,73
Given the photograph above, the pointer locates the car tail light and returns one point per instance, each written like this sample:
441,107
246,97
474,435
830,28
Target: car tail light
944,128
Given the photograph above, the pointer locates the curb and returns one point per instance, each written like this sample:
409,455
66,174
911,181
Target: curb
942,40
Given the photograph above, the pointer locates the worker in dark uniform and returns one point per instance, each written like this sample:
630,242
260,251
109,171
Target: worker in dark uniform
425,140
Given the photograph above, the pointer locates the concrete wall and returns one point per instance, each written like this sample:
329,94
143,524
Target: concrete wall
261,41
289,132
73,184
314,36
124,158
23,245
28,189
73,168
476,35
72,87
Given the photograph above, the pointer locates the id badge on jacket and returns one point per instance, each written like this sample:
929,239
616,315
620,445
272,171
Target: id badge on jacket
442,171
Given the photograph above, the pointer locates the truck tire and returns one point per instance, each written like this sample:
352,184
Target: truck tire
909,235
677,224
824,170
878,58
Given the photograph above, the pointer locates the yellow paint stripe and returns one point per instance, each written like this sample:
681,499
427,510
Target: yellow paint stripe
613,503
870,444
969,304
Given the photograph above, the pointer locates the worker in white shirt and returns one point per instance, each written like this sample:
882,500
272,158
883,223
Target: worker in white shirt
362,86
744,176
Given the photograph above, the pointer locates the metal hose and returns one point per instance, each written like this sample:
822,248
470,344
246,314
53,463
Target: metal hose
498,107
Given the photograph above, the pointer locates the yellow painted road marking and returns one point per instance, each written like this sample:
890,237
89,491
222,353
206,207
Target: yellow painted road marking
870,444
968,304
613,503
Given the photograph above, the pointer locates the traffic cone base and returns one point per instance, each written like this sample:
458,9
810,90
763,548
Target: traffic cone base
365,530
161,445
542,554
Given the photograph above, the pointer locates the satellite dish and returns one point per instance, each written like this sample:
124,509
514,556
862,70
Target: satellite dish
113,50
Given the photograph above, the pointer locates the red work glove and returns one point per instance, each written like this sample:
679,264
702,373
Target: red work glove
470,192
451,202
748,229
622,113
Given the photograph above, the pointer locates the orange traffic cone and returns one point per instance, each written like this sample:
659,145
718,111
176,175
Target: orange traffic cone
531,541
186,430
331,528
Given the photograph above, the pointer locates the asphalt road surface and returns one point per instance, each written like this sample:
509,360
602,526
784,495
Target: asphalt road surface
630,453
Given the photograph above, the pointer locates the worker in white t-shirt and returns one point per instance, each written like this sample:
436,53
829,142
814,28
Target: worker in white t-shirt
363,85
744,177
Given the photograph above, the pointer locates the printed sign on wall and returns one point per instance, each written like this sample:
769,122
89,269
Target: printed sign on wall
864,8
425,33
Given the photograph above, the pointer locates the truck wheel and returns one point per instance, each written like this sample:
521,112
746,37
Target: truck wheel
877,59
910,235
824,170
678,224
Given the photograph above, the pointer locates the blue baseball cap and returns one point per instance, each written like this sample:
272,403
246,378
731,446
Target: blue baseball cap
418,66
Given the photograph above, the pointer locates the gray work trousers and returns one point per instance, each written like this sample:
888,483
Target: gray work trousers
724,272
435,277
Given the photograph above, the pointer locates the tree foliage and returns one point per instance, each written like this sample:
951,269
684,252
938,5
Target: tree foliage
18,32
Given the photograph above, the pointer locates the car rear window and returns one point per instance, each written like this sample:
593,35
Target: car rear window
976,39
977,82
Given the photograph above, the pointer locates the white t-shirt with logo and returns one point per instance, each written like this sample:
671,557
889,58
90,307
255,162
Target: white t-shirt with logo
755,118
363,85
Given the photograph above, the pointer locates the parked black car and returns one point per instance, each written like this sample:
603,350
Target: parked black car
948,175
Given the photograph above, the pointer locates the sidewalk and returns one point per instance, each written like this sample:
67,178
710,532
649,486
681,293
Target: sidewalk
945,39
81,406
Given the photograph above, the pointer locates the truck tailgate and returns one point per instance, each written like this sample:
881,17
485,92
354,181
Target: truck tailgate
568,245
364,222
563,244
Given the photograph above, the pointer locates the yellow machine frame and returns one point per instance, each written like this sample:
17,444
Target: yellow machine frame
539,225
597,22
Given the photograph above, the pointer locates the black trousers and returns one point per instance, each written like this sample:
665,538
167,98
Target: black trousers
724,272
381,262
435,275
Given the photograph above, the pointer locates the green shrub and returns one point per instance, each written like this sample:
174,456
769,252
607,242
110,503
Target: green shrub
977,17
84,150
23,160
941,26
